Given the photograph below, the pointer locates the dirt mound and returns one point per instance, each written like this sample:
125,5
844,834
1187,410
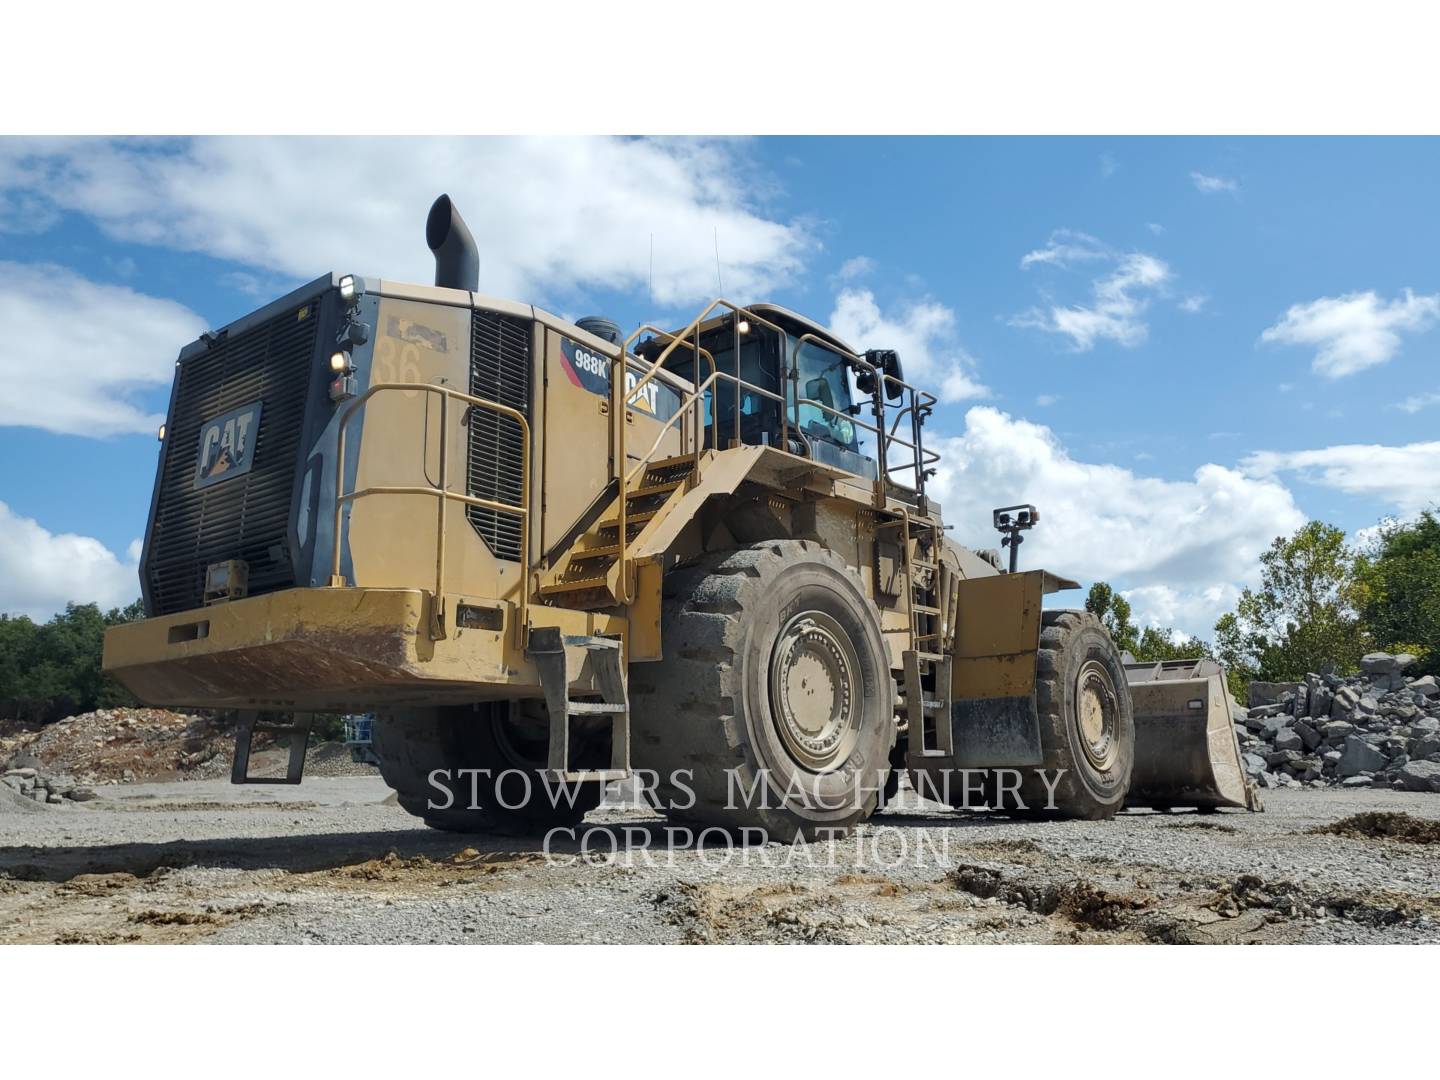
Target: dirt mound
1381,825
121,745
113,746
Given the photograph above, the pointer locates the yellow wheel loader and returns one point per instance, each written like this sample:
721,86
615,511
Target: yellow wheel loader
547,555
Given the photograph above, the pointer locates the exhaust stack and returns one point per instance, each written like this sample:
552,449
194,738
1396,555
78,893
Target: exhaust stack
457,259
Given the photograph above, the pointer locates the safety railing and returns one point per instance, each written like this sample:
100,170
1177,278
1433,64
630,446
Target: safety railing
441,490
919,405
921,401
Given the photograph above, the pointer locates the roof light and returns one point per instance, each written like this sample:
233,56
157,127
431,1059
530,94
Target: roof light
743,326
347,288
161,433
339,361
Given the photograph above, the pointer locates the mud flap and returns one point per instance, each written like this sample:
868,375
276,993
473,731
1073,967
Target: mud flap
1186,753
993,715
999,732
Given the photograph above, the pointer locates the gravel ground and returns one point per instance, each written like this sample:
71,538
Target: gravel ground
333,861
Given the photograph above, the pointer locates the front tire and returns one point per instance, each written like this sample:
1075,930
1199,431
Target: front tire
1087,724
773,706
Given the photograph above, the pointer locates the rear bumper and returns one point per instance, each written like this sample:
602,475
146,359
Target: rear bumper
331,650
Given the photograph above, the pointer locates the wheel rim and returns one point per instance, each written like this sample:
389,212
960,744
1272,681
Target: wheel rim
1097,709
815,693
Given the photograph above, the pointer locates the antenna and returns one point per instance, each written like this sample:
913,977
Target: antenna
719,282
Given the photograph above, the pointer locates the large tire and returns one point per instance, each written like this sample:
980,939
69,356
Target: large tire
775,680
414,743
1087,724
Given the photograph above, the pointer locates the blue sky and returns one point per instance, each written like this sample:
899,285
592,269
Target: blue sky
1178,347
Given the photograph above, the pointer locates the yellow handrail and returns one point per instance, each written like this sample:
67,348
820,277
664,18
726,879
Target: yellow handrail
443,493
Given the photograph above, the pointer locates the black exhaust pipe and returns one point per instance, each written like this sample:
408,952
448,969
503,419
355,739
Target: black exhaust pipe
457,259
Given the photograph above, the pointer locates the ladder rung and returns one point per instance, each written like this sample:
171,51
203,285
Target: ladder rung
925,609
595,708
584,776
923,565
929,655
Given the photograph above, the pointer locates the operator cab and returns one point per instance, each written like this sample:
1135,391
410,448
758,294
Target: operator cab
817,404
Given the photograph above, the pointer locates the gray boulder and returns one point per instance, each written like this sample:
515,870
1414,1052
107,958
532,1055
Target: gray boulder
1426,685
1379,663
1269,693
1421,776
1345,700
1289,739
1254,764
1359,757
1337,730
1308,735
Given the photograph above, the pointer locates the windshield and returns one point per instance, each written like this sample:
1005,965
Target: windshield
823,380
819,401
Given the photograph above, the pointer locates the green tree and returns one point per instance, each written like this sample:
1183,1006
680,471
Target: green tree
52,670
1305,615
1162,643
1400,579
1113,611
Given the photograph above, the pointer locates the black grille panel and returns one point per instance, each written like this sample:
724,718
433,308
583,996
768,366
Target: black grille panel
499,372
246,517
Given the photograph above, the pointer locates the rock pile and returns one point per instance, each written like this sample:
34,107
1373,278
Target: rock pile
1377,729
36,785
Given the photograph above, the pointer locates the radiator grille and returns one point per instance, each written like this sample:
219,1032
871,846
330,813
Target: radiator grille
500,371
246,517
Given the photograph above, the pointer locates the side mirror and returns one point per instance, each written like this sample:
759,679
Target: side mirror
888,361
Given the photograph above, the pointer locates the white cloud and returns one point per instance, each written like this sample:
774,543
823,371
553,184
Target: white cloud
77,352
1046,400
1211,185
1155,228
1405,477
1120,298
1066,247
1108,166
1193,305
923,333
1199,538
1354,331
40,571
1415,402
550,215
858,267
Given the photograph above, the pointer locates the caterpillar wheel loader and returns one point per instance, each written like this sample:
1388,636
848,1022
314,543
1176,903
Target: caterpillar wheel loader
547,555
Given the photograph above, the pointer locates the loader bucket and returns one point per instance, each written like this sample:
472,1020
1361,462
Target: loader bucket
1186,753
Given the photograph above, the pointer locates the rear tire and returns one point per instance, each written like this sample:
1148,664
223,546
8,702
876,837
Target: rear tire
775,681
413,744
1087,724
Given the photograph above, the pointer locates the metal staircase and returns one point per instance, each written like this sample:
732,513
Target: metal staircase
591,574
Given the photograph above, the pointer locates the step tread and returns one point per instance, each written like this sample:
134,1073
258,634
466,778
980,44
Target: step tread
654,489
578,585
595,708
595,552
630,519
